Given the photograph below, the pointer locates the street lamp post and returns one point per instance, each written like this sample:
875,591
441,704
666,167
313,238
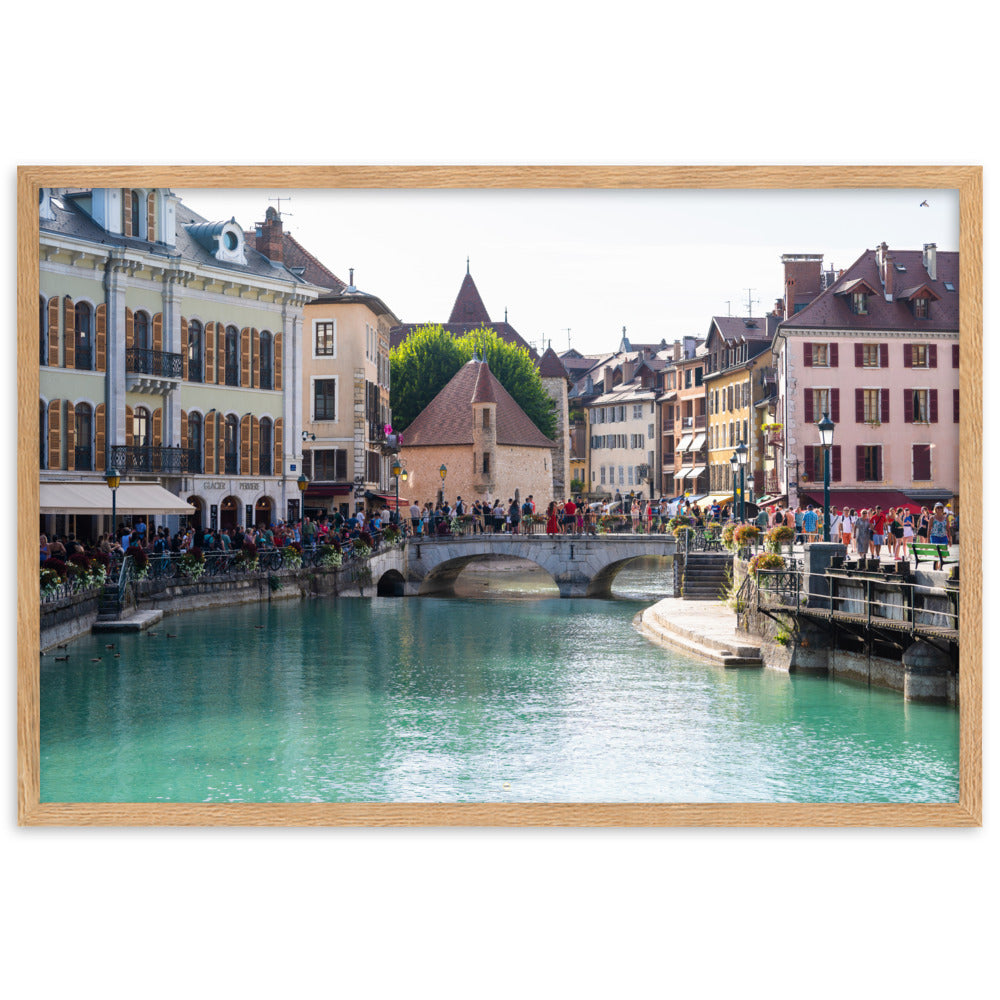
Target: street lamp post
302,483
444,472
113,478
751,483
397,471
741,458
826,426
734,464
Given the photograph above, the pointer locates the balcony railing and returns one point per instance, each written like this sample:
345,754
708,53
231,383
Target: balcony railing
157,363
153,458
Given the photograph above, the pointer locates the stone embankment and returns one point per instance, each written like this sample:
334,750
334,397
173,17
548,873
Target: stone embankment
704,629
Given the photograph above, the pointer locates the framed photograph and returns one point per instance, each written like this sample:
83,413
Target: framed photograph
268,414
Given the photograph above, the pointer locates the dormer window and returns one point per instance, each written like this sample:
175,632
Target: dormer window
859,303
921,308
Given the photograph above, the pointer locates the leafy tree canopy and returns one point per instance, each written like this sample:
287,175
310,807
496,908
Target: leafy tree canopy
430,357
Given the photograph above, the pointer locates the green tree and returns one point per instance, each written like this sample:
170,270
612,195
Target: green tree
430,357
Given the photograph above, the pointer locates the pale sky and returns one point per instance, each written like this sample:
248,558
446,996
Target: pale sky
660,263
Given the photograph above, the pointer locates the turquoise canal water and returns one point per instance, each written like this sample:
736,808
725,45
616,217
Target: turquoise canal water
458,700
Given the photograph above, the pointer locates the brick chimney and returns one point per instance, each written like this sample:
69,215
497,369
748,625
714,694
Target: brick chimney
930,260
609,378
803,279
269,236
677,350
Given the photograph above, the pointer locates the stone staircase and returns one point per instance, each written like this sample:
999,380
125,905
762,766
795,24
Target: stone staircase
706,576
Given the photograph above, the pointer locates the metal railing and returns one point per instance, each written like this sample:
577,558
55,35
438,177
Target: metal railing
152,458
119,591
142,361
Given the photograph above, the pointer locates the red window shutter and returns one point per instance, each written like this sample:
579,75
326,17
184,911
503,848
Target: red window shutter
956,404
954,355
859,355
934,406
835,405
907,406
807,355
921,461
883,355
834,355
859,406
884,397
878,463
809,407
932,356
835,470
907,355
810,463
860,452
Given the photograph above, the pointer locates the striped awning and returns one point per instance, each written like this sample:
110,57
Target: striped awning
95,498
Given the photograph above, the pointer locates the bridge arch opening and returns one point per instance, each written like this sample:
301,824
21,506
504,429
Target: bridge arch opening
485,576
635,578
391,584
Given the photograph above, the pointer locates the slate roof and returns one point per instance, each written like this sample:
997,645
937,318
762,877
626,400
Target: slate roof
740,327
832,310
296,256
448,417
74,220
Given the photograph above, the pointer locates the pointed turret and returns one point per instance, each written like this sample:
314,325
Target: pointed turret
468,306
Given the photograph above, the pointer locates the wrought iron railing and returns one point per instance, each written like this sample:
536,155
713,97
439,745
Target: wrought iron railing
159,363
152,458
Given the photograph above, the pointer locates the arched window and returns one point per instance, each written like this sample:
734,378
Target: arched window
43,331
232,445
195,351
266,355
194,443
84,337
142,439
141,326
232,356
84,457
136,215
266,446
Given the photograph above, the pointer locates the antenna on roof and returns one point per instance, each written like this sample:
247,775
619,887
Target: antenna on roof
466,265
279,201
750,302
505,314
567,329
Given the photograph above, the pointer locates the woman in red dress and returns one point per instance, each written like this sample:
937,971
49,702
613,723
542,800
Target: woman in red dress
552,522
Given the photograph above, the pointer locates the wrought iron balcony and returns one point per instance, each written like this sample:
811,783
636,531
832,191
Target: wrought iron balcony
159,364
153,458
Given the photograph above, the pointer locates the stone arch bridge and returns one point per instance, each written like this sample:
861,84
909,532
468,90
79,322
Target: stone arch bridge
581,565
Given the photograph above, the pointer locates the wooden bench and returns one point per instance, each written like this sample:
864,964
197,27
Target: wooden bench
931,552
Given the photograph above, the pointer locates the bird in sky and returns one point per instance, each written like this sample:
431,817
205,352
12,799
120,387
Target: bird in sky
924,204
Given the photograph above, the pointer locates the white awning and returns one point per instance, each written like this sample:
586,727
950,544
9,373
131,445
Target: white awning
698,443
95,498
685,443
696,472
682,473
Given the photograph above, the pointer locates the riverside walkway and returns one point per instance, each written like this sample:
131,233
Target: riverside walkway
706,629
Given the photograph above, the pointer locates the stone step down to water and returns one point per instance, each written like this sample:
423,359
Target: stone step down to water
137,622
706,631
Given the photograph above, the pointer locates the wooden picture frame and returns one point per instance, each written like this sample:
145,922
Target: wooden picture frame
967,811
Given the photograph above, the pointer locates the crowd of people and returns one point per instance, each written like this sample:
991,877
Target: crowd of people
868,532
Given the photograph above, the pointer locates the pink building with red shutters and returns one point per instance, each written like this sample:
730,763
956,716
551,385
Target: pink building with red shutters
876,347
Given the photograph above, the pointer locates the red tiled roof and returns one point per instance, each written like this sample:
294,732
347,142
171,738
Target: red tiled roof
448,417
551,367
831,308
468,307
294,255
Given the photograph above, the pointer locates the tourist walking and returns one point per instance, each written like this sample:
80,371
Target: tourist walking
939,531
847,527
552,519
862,534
